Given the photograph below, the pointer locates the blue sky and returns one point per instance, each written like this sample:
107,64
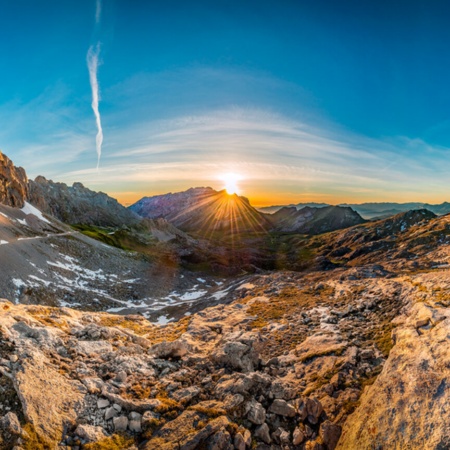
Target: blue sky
305,100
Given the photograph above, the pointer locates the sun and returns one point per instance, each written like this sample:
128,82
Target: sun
231,183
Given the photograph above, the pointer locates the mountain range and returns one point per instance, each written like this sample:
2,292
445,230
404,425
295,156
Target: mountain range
204,211
371,211
194,321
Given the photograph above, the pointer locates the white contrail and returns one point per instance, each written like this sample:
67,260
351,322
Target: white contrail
98,11
92,62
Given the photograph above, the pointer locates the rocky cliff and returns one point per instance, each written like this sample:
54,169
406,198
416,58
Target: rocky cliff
78,205
13,183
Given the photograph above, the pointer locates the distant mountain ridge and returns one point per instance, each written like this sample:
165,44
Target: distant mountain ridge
205,210
371,210
310,220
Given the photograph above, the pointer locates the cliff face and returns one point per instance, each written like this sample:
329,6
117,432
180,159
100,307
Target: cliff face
13,183
78,204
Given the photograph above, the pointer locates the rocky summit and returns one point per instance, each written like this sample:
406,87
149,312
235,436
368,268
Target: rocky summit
121,335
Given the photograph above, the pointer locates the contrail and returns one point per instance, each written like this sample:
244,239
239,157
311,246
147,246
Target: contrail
98,11
92,62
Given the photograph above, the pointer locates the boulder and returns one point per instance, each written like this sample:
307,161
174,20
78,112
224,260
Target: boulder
255,412
90,433
282,408
263,433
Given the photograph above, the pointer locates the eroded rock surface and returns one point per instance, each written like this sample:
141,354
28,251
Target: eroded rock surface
13,183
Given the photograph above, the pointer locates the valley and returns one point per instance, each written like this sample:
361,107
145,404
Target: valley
204,324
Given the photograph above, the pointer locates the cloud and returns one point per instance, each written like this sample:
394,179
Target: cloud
93,62
270,151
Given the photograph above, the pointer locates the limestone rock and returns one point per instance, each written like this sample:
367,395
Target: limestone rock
256,412
282,408
90,433
10,423
49,401
263,433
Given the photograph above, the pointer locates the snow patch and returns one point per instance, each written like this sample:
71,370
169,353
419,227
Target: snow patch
30,209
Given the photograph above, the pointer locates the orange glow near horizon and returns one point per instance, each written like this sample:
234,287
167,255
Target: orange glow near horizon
260,196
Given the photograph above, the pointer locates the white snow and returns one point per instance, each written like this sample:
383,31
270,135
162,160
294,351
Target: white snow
30,209
193,295
163,320
220,294
2,242
18,282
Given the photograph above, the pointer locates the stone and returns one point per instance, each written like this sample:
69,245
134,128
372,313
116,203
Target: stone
284,436
282,408
135,425
49,400
314,409
220,441
120,423
111,412
256,412
165,350
91,348
299,435
90,433
247,437
10,423
263,433
102,403
187,394
330,434
184,432
121,376
239,442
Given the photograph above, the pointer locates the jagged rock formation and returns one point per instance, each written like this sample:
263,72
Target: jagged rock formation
78,205
314,220
13,183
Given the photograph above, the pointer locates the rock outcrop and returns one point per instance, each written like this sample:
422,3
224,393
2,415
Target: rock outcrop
13,183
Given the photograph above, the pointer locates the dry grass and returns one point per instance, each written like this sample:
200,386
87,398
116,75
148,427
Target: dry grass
33,441
141,327
115,442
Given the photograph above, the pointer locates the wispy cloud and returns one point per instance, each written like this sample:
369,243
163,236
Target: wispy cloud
270,151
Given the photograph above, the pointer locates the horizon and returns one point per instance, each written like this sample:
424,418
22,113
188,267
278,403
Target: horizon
307,101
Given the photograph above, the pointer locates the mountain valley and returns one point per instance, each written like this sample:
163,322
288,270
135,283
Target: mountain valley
193,321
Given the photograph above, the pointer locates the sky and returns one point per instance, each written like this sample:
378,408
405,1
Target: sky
302,100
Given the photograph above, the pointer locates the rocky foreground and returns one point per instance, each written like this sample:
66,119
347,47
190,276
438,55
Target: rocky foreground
352,359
